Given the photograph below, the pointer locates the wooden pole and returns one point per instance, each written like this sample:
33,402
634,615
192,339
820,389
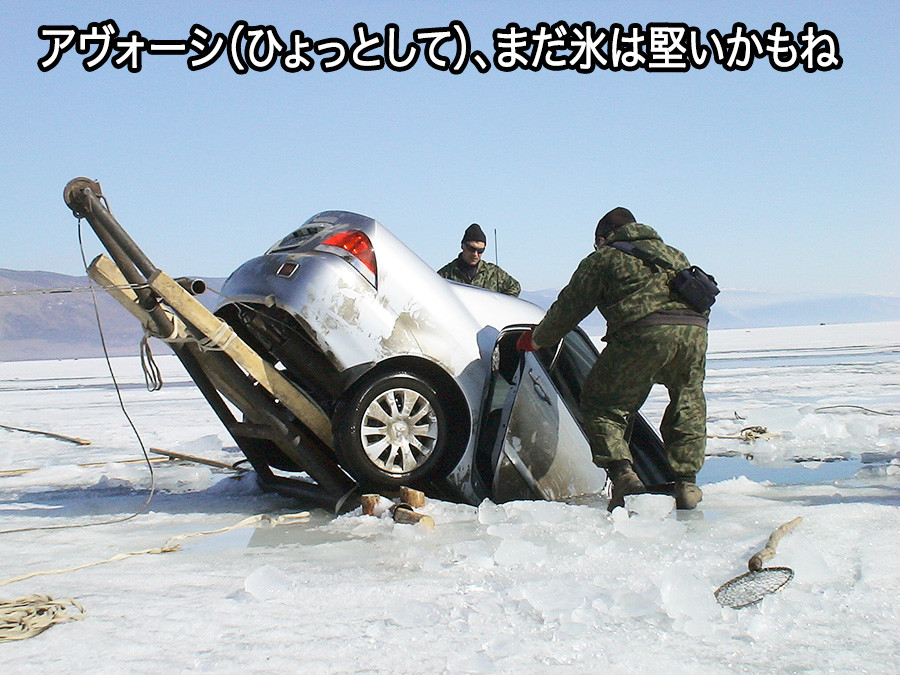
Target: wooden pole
756,561
49,434
109,277
223,337
198,460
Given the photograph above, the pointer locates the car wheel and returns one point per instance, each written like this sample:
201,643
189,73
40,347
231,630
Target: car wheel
393,431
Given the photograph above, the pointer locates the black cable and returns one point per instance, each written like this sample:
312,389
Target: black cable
152,375
137,434
855,407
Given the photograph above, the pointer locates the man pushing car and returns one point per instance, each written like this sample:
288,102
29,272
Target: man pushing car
654,336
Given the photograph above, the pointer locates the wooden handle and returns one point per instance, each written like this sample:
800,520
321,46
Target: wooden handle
758,558
198,460
49,434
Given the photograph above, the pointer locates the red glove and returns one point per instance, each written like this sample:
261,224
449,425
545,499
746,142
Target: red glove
525,342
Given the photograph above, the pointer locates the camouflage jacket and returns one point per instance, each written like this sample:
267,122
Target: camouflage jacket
621,286
488,275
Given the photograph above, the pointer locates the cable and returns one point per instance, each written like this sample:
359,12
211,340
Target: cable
172,543
152,375
66,289
137,434
856,407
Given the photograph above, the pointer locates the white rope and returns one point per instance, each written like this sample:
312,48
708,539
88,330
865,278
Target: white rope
172,544
749,435
179,333
220,340
33,614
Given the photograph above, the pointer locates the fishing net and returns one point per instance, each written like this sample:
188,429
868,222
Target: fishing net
751,587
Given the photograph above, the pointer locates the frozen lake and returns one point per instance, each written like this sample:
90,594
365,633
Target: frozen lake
521,587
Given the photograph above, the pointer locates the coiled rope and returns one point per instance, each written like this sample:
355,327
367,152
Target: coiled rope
33,614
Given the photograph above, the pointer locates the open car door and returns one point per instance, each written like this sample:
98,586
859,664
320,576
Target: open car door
541,450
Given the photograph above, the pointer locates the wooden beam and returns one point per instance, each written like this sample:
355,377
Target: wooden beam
223,337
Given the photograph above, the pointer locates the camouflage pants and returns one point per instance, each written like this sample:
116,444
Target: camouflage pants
632,362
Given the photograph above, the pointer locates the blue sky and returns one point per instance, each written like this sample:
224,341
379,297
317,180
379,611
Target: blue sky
771,181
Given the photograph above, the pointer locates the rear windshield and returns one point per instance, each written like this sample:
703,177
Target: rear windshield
296,238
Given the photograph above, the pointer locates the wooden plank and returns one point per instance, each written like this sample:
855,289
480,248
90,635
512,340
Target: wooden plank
223,337
107,274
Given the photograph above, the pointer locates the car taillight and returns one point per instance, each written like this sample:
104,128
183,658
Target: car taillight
356,248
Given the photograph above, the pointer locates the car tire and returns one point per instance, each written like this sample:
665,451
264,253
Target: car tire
394,430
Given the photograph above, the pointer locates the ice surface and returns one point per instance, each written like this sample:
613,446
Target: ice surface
523,587
652,507
268,583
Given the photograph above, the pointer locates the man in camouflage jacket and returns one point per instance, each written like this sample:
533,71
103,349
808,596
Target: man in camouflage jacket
653,337
469,268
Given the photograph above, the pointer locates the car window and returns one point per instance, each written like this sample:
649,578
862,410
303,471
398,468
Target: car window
296,238
568,373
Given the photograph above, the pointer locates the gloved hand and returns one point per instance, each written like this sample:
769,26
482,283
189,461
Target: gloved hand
525,342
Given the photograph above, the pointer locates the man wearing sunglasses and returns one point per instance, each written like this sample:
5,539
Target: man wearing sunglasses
470,268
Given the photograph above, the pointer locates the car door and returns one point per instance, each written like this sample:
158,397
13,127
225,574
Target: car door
541,450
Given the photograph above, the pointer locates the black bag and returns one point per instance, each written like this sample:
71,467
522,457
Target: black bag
696,288
693,285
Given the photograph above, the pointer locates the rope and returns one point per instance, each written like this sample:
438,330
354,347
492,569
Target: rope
152,375
172,544
749,434
855,407
33,614
68,289
220,340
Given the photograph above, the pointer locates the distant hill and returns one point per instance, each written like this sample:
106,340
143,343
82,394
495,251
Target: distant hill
37,324
51,316
752,309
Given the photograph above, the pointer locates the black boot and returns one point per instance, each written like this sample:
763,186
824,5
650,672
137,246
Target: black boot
624,482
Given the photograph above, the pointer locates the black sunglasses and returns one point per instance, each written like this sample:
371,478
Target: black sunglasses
473,249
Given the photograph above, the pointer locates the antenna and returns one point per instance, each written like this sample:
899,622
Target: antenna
496,255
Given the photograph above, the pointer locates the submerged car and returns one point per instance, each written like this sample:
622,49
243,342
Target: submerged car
419,375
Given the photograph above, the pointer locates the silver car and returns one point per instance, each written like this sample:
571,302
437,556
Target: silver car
420,376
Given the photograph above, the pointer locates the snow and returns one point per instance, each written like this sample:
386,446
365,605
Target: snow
528,587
